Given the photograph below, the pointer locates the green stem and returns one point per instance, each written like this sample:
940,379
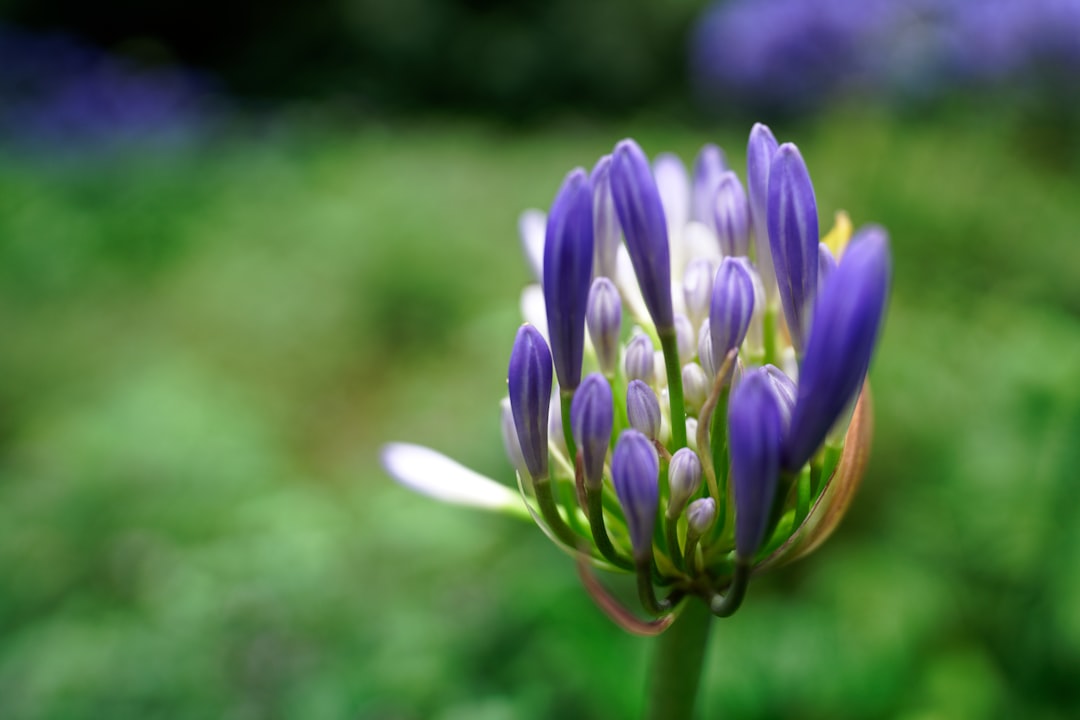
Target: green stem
670,345
671,529
594,499
769,335
677,664
566,397
550,513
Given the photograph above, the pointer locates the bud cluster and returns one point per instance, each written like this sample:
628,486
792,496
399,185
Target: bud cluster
710,350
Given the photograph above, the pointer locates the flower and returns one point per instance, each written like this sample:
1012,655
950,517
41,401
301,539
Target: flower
755,464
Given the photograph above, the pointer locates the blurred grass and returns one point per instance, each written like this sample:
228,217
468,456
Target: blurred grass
204,351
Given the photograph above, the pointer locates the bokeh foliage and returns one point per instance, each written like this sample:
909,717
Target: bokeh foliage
204,350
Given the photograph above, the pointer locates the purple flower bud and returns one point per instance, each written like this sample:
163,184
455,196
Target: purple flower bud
709,165
640,358
674,187
732,213
793,238
847,318
643,409
700,516
529,378
754,438
606,229
684,479
568,258
635,471
759,156
695,387
826,264
697,289
603,316
592,414
641,216
731,308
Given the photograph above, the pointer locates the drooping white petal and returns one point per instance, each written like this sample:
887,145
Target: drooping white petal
532,224
435,475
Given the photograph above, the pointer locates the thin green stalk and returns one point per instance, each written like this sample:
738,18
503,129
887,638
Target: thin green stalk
769,335
677,664
594,498
670,345
566,397
550,513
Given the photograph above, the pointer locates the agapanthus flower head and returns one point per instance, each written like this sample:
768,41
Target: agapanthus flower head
740,418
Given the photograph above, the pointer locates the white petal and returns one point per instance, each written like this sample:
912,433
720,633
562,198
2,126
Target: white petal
532,225
673,182
435,475
699,241
626,282
533,309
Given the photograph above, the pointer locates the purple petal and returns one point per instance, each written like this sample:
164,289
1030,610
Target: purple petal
847,318
635,471
529,380
568,259
591,419
793,237
754,438
641,215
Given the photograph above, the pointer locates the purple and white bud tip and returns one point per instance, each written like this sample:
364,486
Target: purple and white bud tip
731,308
603,317
639,359
732,213
700,516
684,479
591,419
643,409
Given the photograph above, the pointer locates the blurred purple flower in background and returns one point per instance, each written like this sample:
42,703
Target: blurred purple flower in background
57,93
794,55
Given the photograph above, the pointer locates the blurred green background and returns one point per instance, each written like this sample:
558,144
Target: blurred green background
206,343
